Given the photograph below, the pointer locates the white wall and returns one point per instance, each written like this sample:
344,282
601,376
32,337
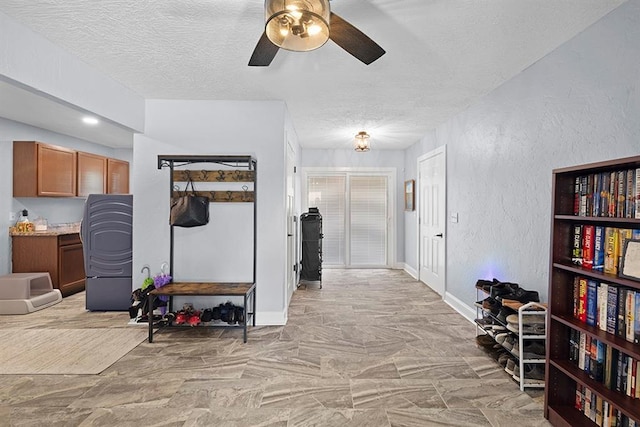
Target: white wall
375,158
579,104
224,245
56,210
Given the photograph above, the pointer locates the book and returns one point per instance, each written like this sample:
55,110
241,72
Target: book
613,193
604,203
589,191
598,249
592,302
599,409
582,302
622,188
630,194
584,180
630,308
622,321
620,372
637,194
636,325
576,196
588,246
602,299
600,356
611,250
582,350
576,296
612,309
576,254
624,234
597,191
587,353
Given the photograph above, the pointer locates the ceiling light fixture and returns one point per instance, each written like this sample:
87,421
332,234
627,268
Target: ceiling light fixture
90,120
298,25
362,142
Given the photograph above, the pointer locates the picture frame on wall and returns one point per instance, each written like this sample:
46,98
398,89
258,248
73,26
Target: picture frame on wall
630,265
409,195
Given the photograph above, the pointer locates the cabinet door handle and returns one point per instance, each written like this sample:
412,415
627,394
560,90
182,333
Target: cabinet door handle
438,235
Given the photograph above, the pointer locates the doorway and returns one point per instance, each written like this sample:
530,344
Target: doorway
432,217
357,215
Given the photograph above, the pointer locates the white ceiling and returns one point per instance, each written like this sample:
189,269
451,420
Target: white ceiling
442,55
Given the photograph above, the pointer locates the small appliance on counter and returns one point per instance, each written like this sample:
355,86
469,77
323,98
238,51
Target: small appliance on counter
107,237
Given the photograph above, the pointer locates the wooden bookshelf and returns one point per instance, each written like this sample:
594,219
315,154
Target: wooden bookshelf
563,376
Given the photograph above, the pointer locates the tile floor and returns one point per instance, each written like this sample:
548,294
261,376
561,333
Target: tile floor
372,348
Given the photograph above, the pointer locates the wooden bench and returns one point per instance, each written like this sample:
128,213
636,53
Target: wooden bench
246,290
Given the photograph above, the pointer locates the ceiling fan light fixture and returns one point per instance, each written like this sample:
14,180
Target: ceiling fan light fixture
362,142
297,25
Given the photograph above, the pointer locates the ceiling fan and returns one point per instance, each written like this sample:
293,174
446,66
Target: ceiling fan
304,25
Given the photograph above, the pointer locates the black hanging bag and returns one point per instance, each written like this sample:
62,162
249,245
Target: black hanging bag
189,209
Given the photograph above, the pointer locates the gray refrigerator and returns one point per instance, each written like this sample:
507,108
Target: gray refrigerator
107,241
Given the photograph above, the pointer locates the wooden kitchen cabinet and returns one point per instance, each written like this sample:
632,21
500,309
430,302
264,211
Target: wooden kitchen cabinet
43,170
117,176
60,255
92,174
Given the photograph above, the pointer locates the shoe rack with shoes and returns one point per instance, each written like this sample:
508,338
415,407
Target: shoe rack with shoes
511,325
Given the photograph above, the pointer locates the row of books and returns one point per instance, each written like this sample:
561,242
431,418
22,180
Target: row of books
599,410
613,309
600,248
604,364
608,194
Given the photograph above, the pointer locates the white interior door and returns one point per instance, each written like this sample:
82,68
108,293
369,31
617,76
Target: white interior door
291,226
432,219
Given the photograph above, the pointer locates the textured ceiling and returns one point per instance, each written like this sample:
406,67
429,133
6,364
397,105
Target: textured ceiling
441,56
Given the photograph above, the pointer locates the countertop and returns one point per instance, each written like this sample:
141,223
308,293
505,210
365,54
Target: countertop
52,230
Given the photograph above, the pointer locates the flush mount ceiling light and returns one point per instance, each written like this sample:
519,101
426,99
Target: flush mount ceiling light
362,142
304,25
90,120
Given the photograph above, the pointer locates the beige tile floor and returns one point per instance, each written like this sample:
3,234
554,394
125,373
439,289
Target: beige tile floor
371,348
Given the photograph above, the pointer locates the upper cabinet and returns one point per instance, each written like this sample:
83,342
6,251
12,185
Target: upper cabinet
43,170
92,170
47,170
117,177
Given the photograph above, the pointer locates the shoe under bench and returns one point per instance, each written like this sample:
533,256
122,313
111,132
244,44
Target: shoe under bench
246,290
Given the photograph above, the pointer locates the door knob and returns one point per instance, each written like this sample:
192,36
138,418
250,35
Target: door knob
438,235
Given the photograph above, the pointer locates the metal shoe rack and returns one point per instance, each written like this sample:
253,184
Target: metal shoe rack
524,311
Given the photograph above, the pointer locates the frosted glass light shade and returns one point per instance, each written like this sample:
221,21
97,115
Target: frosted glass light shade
298,25
362,142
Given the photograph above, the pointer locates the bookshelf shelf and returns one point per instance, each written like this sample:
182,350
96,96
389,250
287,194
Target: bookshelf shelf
565,379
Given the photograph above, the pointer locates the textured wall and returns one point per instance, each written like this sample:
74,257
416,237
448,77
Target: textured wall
579,104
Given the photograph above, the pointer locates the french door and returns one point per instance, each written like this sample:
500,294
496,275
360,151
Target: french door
356,216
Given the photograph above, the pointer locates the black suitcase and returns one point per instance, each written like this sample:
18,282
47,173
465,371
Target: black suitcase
311,223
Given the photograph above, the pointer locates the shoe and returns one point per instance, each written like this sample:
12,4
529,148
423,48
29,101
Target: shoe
491,304
503,359
239,315
485,285
503,313
499,338
527,319
510,366
503,288
532,372
207,315
509,343
533,350
485,341
522,295
527,329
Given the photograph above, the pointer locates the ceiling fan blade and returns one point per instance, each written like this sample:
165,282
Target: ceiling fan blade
264,52
353,40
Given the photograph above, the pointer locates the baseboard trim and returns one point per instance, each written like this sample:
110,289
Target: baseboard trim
463,309
271,318
411,271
